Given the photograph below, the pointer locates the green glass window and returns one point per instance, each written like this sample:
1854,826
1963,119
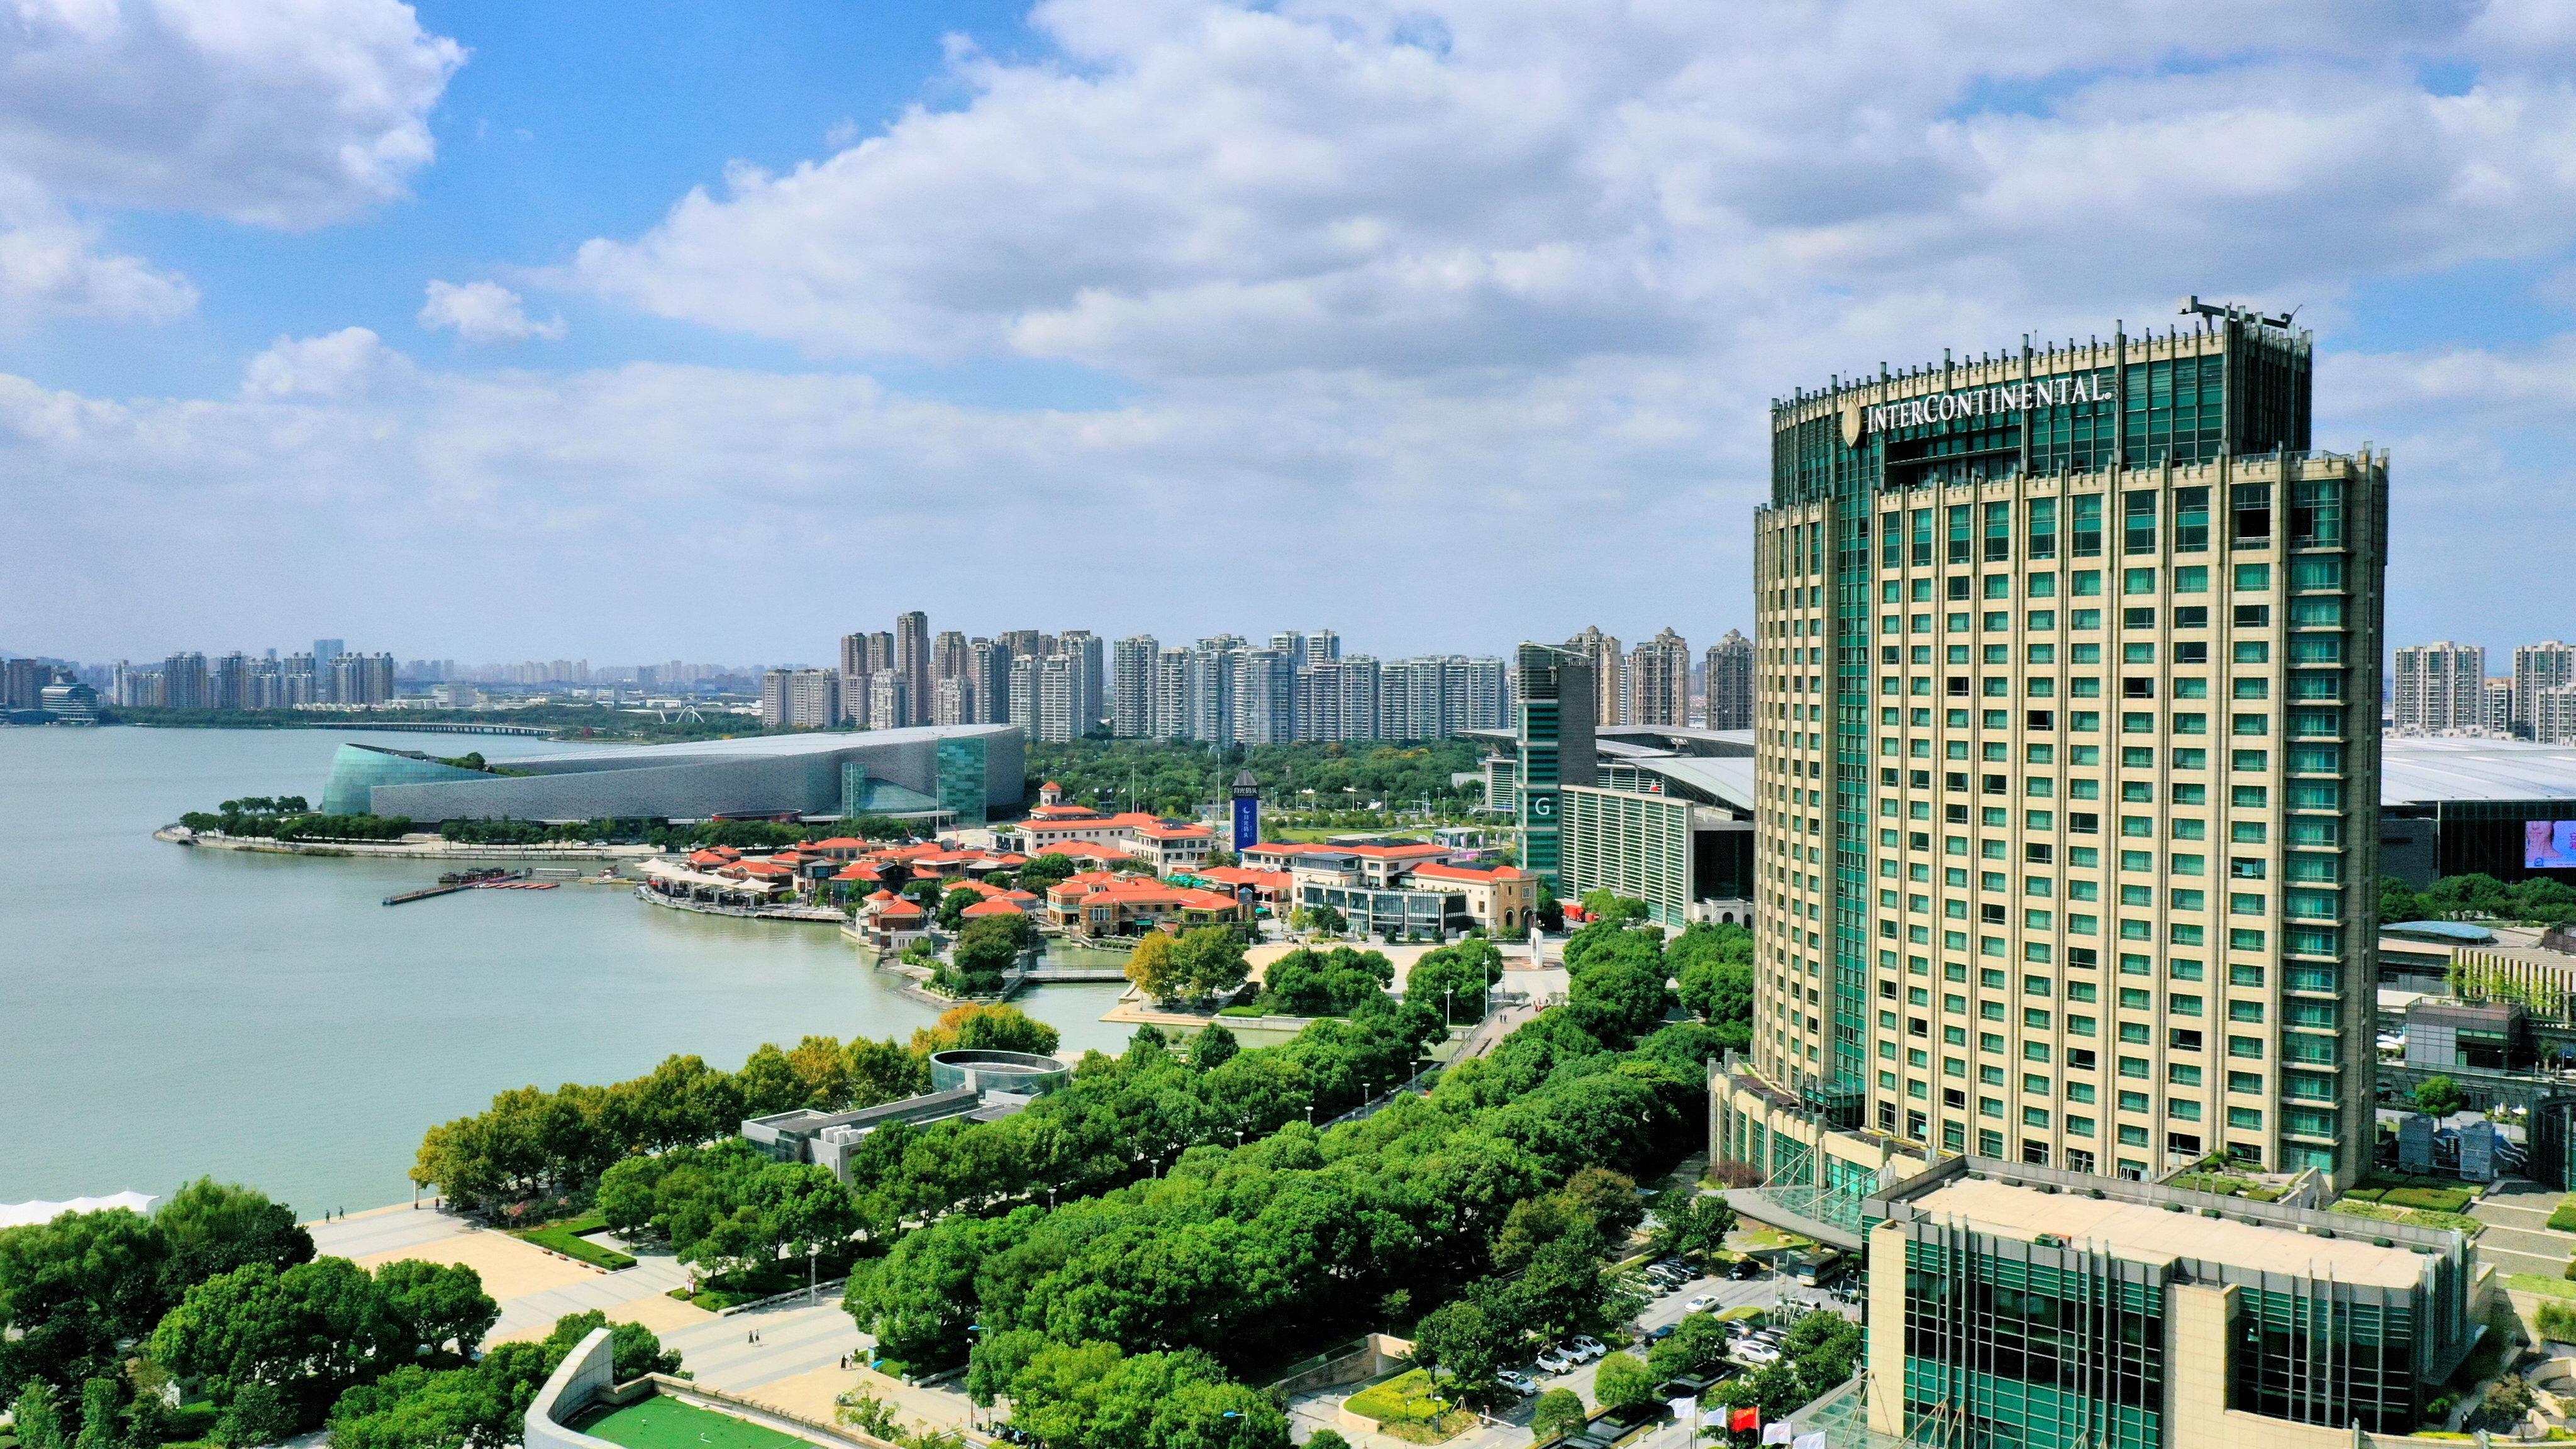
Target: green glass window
2138,522
2191,520
2085,518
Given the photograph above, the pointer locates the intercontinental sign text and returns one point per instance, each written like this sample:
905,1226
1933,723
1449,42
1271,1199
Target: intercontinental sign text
1979,402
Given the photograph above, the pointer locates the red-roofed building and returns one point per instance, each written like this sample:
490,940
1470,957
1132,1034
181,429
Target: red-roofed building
1093,906
889,922
1170,848
1501,900
1273,888
996,906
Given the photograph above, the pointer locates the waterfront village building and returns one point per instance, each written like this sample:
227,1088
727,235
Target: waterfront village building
1657,813
1404,890
2066,769
2012,1304
1102,904
945,775
1054,827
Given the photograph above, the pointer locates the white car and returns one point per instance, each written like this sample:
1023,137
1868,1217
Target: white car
1518,1382
1752,1353
1586,1348
1558,1361
1701,1304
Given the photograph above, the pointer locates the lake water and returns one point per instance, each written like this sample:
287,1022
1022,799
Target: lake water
168,1012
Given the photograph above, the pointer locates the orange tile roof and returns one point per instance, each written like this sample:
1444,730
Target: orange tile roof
1462,872
1160,831
995,907
899,907
1276,880
856,871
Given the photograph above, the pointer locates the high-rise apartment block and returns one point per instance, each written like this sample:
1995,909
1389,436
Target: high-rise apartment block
2553,716
1727,683
1131,668
912,661
2538,667
2067,766
2441,689
1609,674
862,655
1659,672
805,699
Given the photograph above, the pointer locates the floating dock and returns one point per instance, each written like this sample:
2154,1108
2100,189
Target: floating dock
518,882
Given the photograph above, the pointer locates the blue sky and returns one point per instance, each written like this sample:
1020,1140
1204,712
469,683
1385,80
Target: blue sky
643,330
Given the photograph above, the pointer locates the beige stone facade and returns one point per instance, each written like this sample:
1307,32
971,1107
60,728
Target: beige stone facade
2116,794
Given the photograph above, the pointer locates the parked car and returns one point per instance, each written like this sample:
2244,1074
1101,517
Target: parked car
1586,1348
1558,1361
1660,1334
1701,1304
1518,1382
1753,1353
1745,1268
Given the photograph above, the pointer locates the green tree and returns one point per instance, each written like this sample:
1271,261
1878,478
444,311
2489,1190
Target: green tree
1210,960
1454,979
1557,1413
441,1307
1327,1439
952,908
214,1227
1046,870
101,1400
1470,1339
1213,1047
71,1288
989,947
38,1417
1620,985
634,1349
259,1413
1156,968
1604,905
1328,921
1698,1344
1690,1221
2439,1096
1621,1382
990,1026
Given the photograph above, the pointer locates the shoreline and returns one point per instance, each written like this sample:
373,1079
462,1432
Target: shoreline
798,915
401,849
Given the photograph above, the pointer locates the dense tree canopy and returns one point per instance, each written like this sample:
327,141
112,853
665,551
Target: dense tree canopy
538,1144
1250,1253
1330,982
2477,897
1178,777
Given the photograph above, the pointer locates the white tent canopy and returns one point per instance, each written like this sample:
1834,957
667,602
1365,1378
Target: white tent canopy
19,1214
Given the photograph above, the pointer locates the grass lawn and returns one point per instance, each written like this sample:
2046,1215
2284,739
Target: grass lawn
2563,1217
565,1238
2460,1223
2545,1287
1405,1407
660,1423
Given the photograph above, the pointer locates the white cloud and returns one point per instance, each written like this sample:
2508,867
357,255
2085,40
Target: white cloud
1196,189
346,364
1391,295
484,312
278,113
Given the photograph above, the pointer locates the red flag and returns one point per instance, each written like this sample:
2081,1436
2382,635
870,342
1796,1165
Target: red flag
1744,1420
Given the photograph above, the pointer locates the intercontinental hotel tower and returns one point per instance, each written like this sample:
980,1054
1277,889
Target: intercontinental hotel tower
2067,758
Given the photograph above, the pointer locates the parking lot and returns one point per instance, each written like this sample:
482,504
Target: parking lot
1511,1425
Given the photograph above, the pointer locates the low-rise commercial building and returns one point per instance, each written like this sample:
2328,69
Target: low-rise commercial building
2015,1304
1100,905
949,775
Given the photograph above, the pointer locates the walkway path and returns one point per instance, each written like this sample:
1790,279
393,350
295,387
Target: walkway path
2518,1238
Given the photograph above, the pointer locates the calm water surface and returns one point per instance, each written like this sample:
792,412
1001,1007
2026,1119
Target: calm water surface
167,1012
